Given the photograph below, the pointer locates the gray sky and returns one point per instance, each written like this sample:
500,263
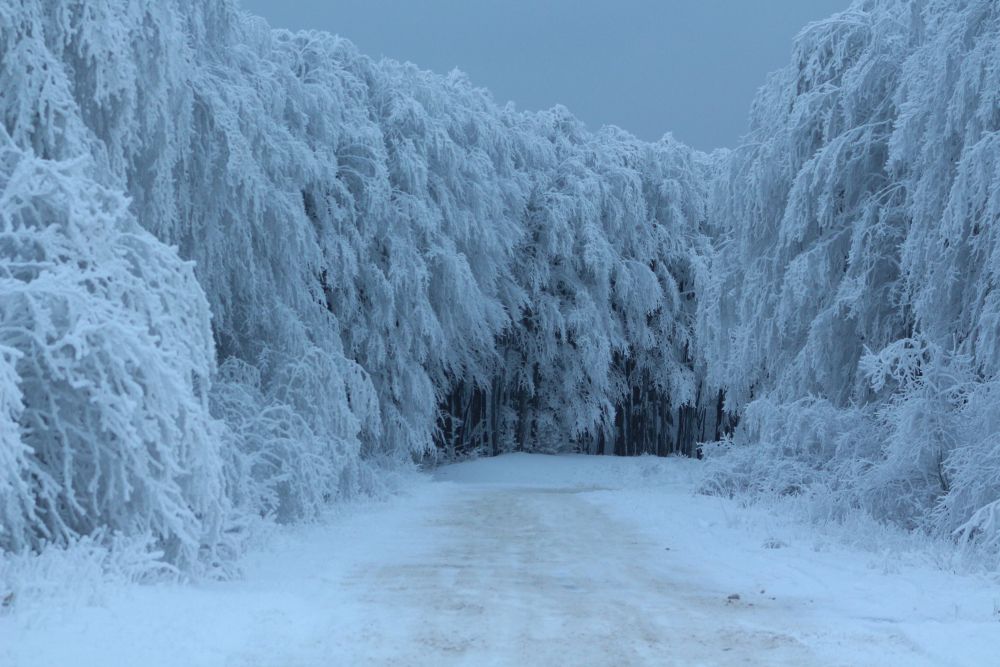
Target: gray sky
690,67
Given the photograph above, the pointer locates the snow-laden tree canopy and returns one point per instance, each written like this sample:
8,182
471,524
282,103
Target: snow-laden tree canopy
246,271
849,311
386,260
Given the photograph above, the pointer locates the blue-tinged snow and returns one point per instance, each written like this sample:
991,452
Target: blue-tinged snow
535,560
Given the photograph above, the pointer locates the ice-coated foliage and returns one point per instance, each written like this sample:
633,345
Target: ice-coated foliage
107,354
391,261
849,312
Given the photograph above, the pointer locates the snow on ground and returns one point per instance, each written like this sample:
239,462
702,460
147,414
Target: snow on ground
533,560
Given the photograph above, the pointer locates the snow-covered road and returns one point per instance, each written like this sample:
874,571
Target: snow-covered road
534,561
528,576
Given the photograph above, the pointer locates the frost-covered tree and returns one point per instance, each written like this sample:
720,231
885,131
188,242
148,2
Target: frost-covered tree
847,311
391,260
107,358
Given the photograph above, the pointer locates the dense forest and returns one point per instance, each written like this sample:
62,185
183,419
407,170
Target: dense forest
246,272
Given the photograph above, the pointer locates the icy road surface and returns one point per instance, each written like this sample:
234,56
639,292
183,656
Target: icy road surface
532,560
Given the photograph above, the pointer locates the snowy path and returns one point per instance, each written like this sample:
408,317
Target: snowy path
532,561
536,576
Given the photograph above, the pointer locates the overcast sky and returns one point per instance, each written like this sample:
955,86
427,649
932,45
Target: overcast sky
690,67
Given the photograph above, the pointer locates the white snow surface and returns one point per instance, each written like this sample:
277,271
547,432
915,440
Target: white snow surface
532,560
